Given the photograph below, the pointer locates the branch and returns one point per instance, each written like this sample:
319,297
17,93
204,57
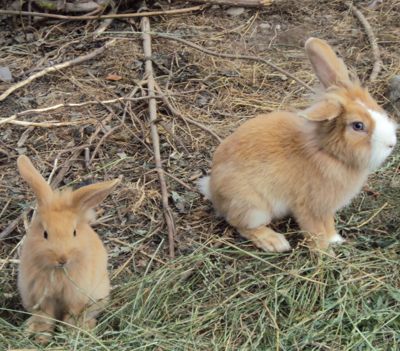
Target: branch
175,112
54,5
10,228
241,3
241,57
55,68
145,27
13,118
106,23
47,124
85,18
372,40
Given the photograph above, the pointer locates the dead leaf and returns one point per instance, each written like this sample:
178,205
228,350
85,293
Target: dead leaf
113,77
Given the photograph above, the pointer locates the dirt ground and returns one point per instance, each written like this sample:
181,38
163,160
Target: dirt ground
220,93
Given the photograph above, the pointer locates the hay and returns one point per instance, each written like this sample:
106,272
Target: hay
235,297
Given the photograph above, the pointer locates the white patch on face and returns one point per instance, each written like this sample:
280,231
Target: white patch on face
336,239
383,138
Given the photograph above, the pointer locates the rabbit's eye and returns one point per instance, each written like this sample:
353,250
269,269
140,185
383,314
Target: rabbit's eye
358,126
74,232
45,235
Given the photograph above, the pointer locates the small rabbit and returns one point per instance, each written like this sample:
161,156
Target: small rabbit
307,164
63,270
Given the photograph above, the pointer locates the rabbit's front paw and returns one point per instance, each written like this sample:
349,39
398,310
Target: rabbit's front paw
272,242
40,327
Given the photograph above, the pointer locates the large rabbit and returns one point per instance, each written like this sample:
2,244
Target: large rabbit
307,164
63,270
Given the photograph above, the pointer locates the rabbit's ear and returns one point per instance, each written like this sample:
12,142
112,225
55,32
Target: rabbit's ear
322,110
329,69
30,174
92,195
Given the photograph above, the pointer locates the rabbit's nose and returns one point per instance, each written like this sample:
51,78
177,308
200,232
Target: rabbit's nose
62,260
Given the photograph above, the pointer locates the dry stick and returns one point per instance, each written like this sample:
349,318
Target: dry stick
66,166
104,137
12,119
372,40
145,27
48,124
241,57
241,3
173,136
175,112
121,15
106,23
373,216
9,229
57,67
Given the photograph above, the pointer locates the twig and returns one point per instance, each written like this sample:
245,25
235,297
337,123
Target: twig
232,56
87,157
372,40
373,216
9,229
171,133
12,119
57,67
104,137
241,3
66,166
10,260
374,4
106,23
48,124
24,137
145,27
181,182
121,15
175,112
53,171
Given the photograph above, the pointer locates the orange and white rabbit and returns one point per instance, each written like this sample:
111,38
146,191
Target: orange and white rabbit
63,270
307,164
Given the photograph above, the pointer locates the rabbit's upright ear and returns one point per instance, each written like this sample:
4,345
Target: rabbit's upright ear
329,69
92,195
323,110
30,174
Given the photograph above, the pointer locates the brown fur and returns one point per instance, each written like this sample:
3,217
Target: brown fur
65,276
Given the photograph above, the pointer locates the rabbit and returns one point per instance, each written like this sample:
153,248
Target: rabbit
63,268
307,164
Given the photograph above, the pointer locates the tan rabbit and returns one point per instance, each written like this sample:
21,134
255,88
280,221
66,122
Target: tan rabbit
63,270
307,164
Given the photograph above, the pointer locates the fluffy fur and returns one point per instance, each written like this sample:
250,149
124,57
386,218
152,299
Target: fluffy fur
307,164
63,270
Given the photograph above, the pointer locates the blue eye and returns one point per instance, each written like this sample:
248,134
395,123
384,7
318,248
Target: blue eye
358,126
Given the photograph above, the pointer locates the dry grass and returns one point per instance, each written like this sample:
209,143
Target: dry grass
236,297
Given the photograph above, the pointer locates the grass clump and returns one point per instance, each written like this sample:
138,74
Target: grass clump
235,299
